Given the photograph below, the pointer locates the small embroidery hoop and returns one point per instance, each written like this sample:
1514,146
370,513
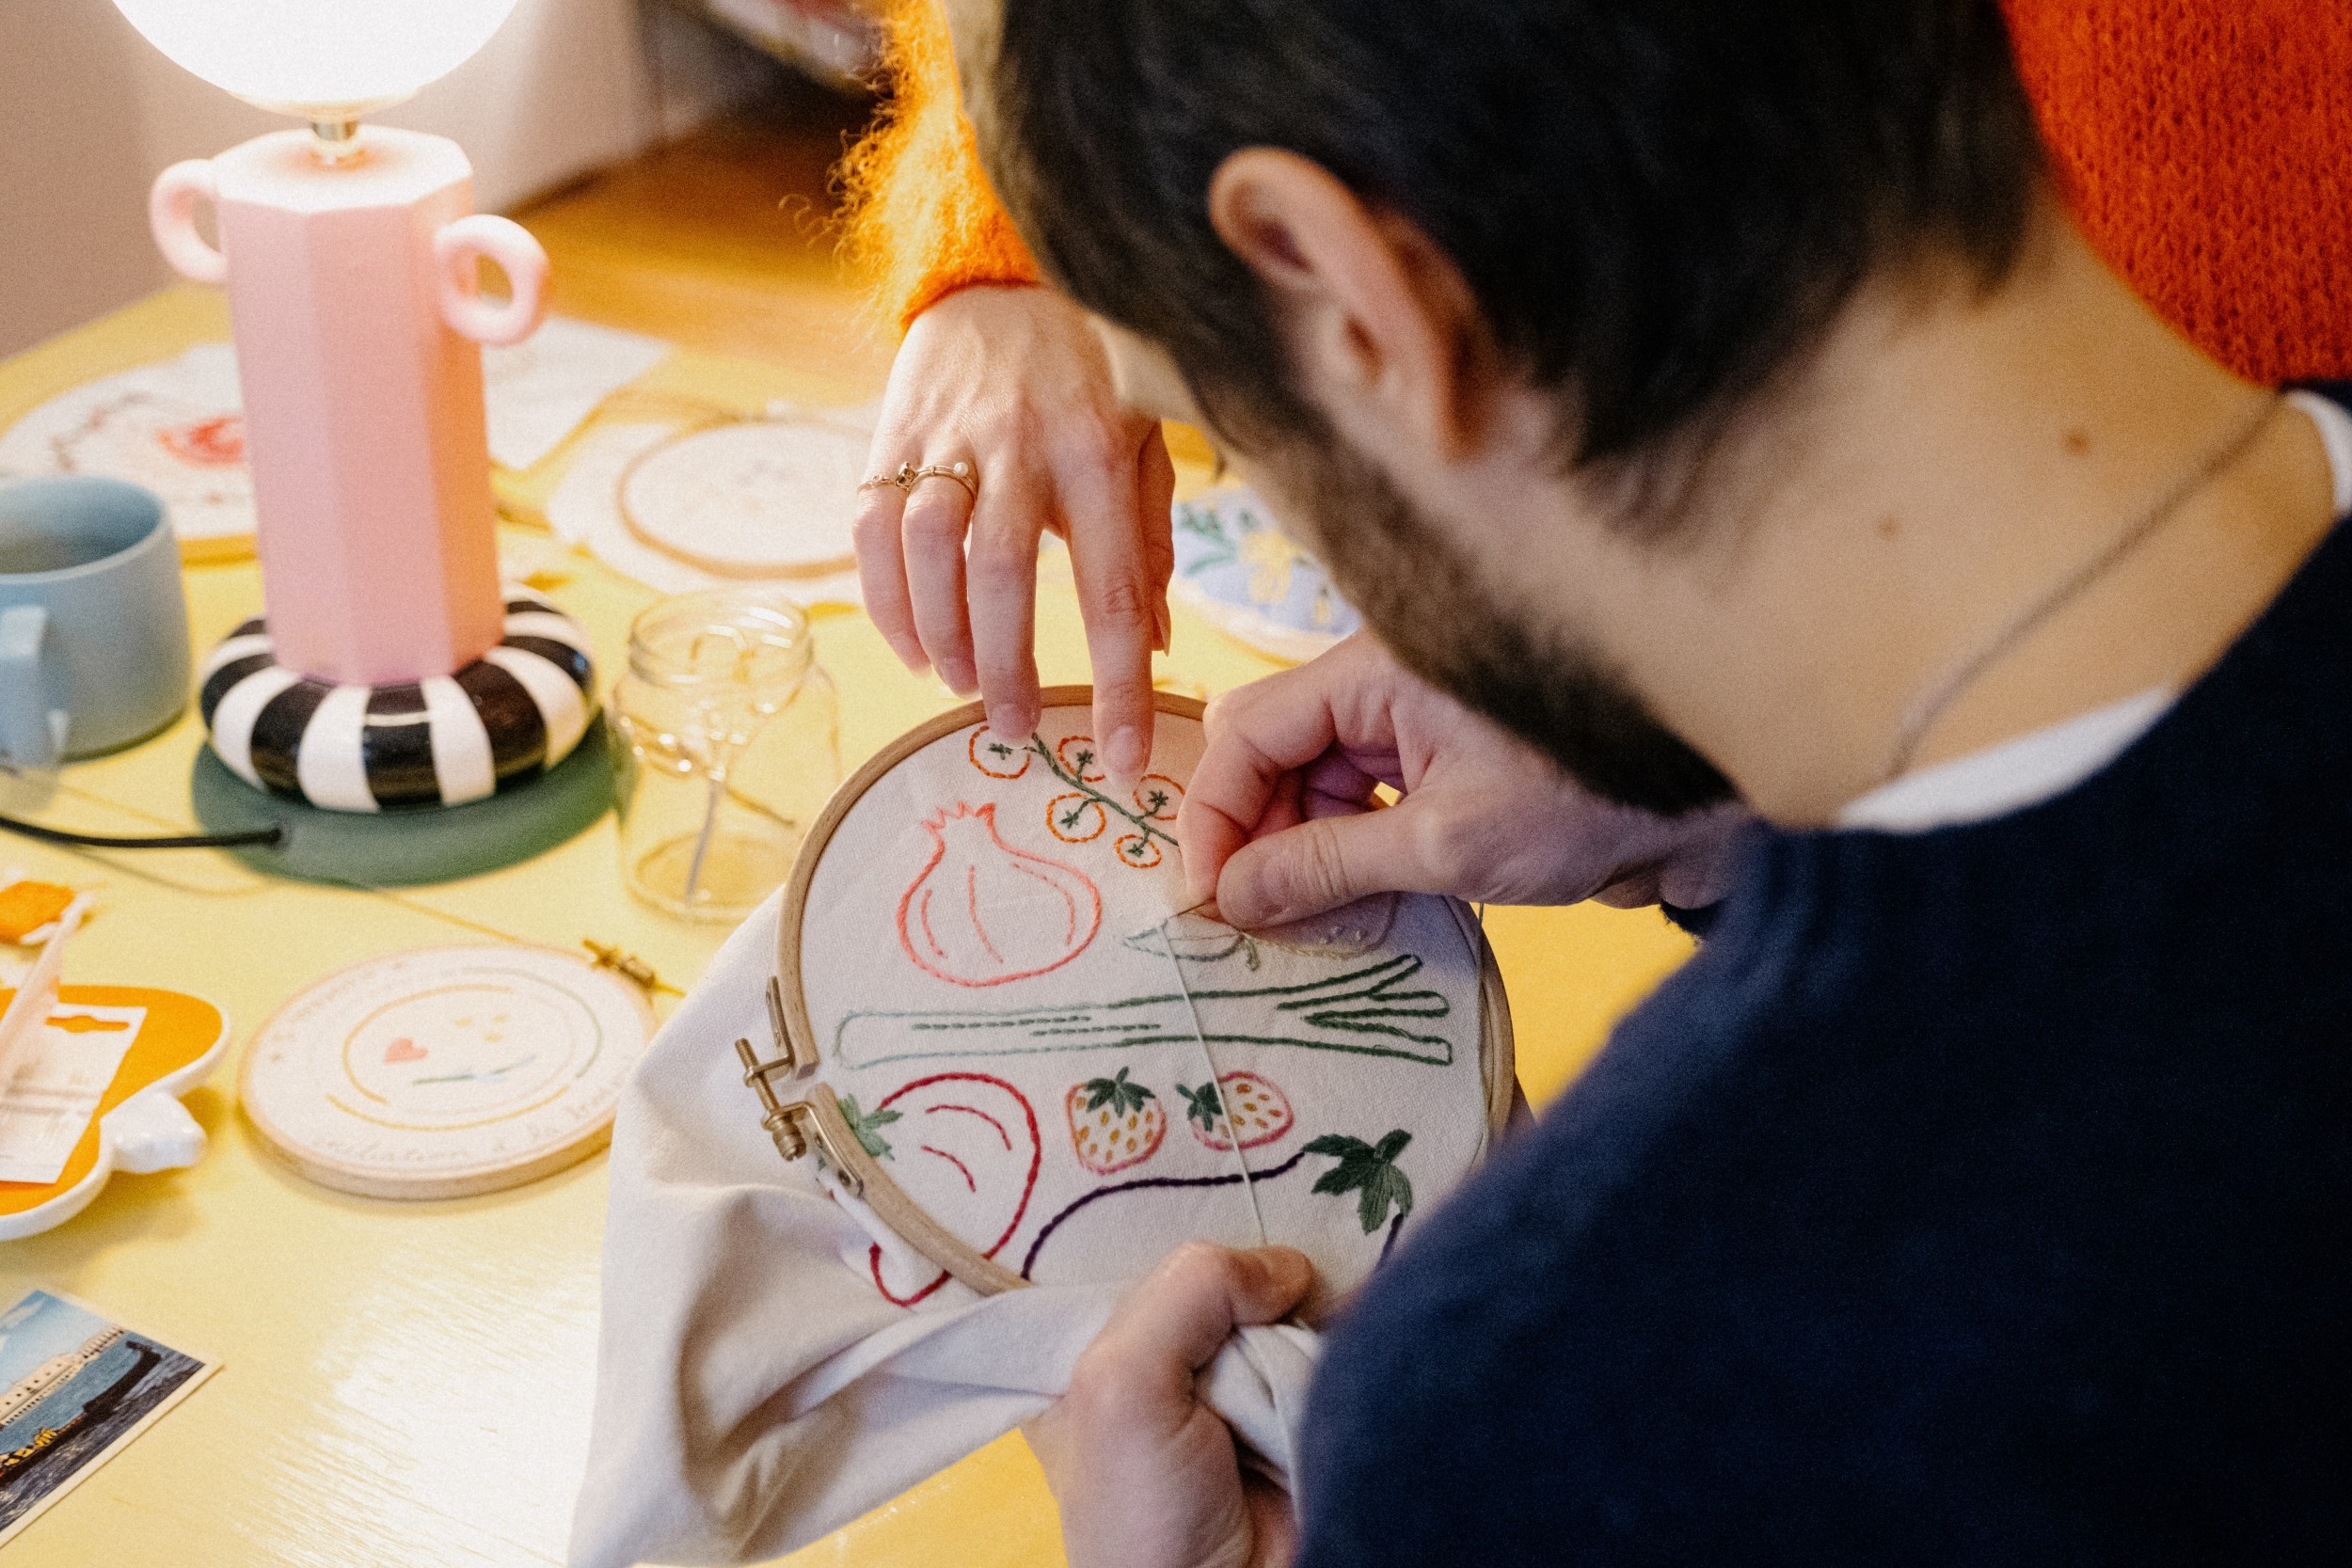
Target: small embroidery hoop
800,1111
489,1171
802,571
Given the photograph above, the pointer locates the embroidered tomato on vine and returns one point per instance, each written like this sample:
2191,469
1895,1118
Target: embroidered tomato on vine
1082,812
998,759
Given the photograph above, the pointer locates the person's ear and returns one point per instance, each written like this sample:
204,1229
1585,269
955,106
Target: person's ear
1377,319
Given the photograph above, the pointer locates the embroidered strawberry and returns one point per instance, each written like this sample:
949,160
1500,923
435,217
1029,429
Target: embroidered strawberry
1114,1124
1243,1102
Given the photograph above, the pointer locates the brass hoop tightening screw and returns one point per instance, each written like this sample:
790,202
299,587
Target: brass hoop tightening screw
778,1119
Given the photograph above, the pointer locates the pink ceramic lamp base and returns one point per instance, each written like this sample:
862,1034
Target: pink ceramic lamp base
391,670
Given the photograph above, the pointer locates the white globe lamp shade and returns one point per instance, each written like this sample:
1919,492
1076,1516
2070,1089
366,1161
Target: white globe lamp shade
322,59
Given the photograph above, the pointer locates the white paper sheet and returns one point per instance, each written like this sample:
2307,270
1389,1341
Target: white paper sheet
540,389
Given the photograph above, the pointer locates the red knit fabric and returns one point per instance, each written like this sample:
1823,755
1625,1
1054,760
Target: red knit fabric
2206,148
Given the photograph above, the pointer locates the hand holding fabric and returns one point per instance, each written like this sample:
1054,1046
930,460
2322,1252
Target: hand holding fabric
1011,381
1145,1473
1281,822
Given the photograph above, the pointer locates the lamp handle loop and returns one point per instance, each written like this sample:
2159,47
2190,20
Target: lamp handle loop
456,250
171,214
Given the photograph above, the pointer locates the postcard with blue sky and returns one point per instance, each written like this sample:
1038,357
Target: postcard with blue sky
75,1387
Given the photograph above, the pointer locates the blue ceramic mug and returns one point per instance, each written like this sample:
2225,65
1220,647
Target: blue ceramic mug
93,622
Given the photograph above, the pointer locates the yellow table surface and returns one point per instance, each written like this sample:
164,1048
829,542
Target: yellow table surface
410,1384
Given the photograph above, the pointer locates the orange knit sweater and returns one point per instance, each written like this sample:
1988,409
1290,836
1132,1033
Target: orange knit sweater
2205,146
924,221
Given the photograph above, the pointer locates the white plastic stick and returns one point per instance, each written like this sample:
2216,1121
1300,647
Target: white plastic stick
36,994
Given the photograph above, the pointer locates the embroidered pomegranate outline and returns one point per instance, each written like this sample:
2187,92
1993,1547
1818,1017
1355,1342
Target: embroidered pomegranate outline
982,912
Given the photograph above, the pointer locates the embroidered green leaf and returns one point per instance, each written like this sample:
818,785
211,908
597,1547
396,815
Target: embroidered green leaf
1202,1106
1121,1096
1370,1172
867,1126
1387,1186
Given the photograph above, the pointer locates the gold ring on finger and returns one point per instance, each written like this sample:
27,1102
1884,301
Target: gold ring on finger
909,476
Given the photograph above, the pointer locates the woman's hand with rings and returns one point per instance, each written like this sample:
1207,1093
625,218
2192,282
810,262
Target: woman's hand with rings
1011,382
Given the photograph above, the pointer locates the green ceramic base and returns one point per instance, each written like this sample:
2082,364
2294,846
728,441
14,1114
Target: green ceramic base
407,848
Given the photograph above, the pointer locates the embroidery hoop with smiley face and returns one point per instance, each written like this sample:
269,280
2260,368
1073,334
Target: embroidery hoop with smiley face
445,1071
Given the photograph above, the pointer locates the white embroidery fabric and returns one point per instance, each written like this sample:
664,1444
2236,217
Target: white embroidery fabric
761,1381
753,1394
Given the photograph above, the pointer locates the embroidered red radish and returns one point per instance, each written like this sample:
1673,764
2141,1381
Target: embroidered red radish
965,1147
981,912
1114,1124
1243,1103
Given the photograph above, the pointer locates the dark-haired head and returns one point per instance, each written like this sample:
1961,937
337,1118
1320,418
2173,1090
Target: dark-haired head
1657,206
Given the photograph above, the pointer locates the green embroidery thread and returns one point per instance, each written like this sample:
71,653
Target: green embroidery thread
1367,1170
1367,1011
1134,846
1117,1093
867,1126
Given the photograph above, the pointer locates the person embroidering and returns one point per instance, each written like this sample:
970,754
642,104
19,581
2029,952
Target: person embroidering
1763,501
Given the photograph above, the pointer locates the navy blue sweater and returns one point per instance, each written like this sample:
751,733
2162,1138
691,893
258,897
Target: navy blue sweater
1983,1196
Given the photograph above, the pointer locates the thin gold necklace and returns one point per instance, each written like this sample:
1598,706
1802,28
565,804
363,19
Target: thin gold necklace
1930,705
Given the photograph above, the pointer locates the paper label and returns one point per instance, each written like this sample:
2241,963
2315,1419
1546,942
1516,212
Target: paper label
61,1075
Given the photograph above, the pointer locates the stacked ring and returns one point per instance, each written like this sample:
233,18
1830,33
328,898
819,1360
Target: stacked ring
909,476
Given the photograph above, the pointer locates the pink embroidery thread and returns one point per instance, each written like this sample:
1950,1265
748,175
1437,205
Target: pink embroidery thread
873,1262
1006,932
975,1111
962,1169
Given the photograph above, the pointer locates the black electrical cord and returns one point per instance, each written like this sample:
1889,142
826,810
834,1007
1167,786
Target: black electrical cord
275,833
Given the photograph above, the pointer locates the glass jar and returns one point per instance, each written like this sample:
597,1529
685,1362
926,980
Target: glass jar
726,746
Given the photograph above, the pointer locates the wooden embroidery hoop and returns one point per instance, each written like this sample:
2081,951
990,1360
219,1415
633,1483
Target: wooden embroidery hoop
491,1170
814,1118
722,566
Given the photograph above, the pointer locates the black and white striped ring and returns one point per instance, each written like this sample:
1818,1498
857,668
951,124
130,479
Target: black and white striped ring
498,722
